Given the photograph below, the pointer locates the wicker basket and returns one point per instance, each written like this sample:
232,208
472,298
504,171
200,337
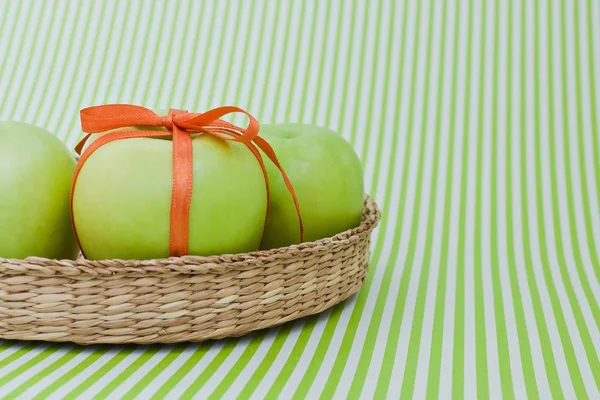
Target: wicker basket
180,299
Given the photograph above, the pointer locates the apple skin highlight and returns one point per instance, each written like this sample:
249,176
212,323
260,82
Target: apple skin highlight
35,179
328,180
121,201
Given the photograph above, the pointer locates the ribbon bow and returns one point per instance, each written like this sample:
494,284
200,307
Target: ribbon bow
179,124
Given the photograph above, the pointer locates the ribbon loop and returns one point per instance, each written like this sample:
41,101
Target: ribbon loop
179,125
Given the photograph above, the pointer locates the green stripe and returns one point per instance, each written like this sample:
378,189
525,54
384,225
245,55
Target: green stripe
154,55
458,353
185,369
346,72
437,335
591,354
23,368
230,56
383,381
307,69
270,59
481,355
319,104
16,49
287,370
591,245
73,120
540,319
113,71
69,375
584,187
3,28
128,66
361,72
291,95
210,370
68,356
177,72
45,39
525,353
151,375
235,371
416,333
594,109
62,67
376,318
71,82
20,352
500,316
93,378
267,362
45,55
205,59
572,364
217,60
127,373
283,58
372,84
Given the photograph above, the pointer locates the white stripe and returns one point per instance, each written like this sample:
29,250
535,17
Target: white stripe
576,183
391,208
110,376
441,139
470,365
531,210
518,239
338,15
16,346
423,125
460,127
550,233
57,373
246,374
279,363
514,349
139,374
169,372
188,379
11,59
59,77
491,341
36,63
6,369
18,380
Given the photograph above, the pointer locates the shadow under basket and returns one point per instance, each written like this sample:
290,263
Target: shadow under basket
181,299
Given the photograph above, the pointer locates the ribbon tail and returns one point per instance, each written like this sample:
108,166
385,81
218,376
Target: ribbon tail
268,150
82,143
258,156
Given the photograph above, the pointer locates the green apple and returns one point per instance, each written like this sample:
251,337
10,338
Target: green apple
327,177
122,198
35,179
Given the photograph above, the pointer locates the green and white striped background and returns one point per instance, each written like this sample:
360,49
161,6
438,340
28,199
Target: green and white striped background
477,123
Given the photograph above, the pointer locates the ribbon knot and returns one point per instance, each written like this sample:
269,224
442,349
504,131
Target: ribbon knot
168,119
179,124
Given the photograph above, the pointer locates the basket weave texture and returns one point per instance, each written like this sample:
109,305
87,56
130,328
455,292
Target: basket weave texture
180,299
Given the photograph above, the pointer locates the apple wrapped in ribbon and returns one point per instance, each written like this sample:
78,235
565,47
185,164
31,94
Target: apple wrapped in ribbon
199,186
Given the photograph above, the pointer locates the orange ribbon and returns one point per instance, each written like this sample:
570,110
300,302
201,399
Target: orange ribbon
179,124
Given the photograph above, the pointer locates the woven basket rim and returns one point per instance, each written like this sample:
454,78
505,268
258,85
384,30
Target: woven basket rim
190,265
